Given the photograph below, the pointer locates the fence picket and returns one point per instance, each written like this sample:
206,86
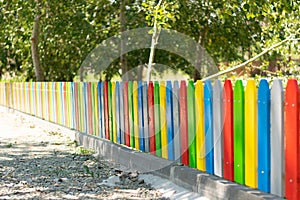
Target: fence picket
152,144
169,111
131,113
163,120
208,119
228,131
122,114
157,119
141,116
239,132
145,116
292,165
191,124
113,112
263,137
118,113
126,115
251,135
136,115
183,124
200,127
218,128
176,117
106,115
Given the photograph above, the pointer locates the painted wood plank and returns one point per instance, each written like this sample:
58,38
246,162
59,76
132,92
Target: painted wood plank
163,120
228,131
184,123
141,116
191,123
200,129
101,111
277,139
110,112
106,115
251,134
151,118
89,108
73,104
170,125
85,108
131,113
118,113
126,114
122,120
145,113
239,132
76,118
113,112
176,124
208,119
122,114
263,135
218,127
157,119
136,115
292,163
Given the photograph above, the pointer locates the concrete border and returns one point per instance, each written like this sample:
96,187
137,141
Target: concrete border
205,184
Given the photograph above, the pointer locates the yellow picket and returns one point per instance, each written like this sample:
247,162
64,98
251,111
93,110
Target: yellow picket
200,132
163,120
136,115
114,116
251,135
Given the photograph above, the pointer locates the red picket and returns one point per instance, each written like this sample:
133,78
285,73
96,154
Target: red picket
184,124
292,131
126,115
151,117
228,130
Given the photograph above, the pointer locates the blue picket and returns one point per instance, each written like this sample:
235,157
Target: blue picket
263,108
170,126
85,103
122,122
118,112
141,116
208,119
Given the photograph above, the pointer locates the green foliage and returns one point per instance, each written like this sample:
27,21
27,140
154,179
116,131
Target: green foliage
231,31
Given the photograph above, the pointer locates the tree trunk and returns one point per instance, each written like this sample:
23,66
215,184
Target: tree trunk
123,55
39,73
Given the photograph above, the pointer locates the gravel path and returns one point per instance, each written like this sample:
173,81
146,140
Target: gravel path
39,162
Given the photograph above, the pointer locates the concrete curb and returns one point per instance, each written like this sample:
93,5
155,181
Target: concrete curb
207,185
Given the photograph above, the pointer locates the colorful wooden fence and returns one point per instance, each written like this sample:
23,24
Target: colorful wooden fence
245,133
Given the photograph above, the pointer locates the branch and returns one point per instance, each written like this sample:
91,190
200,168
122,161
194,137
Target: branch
155,36
291,37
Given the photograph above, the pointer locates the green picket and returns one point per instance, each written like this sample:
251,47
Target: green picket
157,119
131,114
191,124
239,131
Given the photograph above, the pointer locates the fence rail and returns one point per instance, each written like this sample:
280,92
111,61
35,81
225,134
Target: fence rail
242,133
